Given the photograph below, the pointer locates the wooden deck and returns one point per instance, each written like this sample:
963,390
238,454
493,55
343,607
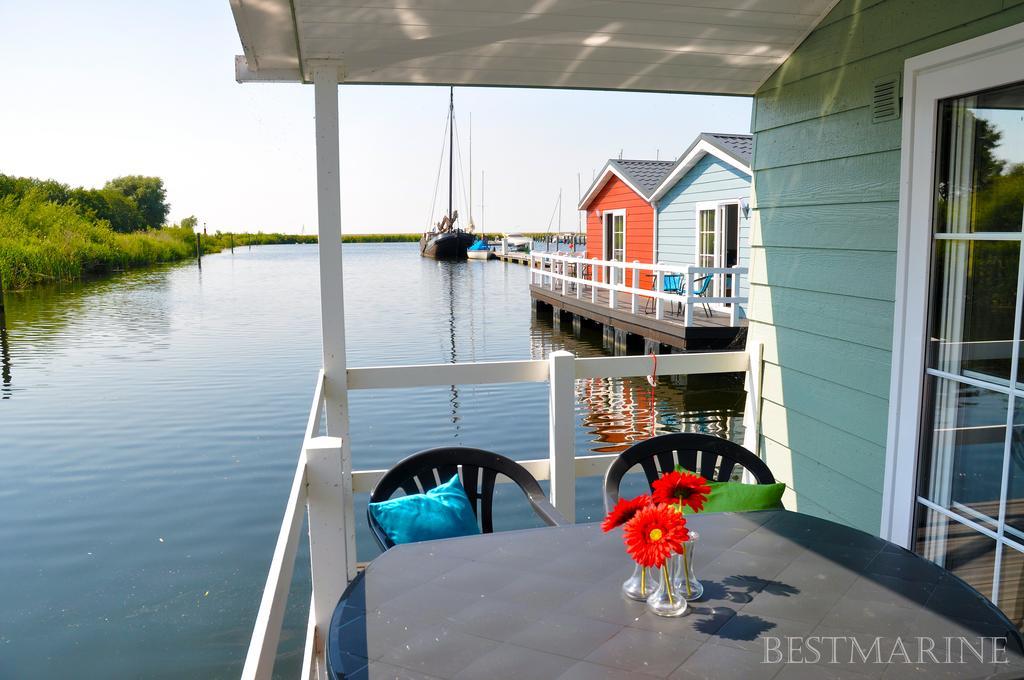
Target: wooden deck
517,257
705,333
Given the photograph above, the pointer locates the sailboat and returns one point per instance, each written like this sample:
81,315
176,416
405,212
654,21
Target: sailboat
446,240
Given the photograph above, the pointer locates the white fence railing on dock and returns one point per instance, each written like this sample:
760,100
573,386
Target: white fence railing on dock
569,275
321,492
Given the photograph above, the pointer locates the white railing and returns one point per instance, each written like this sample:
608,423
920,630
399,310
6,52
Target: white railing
320,486
569,275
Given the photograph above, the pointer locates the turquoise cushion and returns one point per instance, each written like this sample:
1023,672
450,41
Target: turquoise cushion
442,512
739,497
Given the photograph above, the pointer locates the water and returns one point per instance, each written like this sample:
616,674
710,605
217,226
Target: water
150,423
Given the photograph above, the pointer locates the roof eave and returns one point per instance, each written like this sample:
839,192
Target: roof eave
700,147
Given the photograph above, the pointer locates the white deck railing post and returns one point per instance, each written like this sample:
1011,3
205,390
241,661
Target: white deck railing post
688,321
636,284
734,308
579,277
752,408
659,303
332,534
593,279
562,432
565,276
612,281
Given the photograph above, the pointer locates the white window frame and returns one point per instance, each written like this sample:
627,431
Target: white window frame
608,249
989,61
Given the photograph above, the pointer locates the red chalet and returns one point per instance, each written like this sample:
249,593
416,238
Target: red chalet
620,212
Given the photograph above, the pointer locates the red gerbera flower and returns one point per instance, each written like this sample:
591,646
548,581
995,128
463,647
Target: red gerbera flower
681,488
654,534
624,511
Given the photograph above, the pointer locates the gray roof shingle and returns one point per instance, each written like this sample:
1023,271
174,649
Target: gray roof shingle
644,175
741,147
647,175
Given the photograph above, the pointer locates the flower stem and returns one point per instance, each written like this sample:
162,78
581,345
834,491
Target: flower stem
668,583
643,580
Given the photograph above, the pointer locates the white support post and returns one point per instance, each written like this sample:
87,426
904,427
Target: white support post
636,284
332,568
593,279
565,275
504,246
562,432
688,321
332,534
734,308
752,408
612,278
659,303
332,299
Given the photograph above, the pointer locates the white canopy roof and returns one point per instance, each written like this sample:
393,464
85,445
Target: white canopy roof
699,46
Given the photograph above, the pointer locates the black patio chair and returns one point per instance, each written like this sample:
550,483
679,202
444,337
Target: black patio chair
658,455
477,469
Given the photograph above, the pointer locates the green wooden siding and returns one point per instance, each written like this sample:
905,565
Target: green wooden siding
823,244
711,180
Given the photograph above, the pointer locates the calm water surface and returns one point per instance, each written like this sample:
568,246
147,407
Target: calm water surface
150,423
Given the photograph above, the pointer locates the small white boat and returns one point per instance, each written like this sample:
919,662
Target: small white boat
479,251
518,241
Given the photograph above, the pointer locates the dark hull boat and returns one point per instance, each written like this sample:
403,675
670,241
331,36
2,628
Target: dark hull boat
450,245
445,241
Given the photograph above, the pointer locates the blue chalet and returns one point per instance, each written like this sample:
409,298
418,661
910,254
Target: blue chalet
702,208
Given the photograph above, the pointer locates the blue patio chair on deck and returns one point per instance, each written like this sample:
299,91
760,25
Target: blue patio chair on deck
674,283
702,285
671,283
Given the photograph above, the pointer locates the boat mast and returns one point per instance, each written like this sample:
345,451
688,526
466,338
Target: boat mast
451,147
470,216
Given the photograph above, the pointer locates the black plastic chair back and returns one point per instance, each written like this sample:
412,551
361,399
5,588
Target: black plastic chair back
478,471
711,457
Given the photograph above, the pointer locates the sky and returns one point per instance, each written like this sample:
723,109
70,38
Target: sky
98,90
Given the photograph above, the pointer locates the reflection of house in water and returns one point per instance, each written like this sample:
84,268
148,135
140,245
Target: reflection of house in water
618,412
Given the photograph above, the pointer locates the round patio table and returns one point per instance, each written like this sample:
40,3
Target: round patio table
786,595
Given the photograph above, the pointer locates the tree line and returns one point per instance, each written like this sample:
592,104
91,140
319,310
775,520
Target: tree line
130,203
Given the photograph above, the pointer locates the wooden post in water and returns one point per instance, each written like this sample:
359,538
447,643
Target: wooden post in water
232,238
1,294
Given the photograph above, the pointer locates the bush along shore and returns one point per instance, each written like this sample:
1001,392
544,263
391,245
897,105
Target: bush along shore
51,232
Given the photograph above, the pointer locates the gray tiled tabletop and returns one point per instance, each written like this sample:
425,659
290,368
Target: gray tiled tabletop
546,603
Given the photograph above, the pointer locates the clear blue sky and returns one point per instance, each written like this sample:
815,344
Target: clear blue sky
96,90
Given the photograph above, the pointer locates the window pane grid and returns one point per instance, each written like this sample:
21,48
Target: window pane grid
977,526
972,451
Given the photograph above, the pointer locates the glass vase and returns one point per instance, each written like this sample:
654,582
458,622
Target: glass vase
683,577
667,600
641,584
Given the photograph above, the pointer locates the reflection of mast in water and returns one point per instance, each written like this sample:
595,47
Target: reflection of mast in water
5,358
454,400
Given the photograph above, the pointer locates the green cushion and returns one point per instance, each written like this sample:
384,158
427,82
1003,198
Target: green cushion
442,512
740,497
